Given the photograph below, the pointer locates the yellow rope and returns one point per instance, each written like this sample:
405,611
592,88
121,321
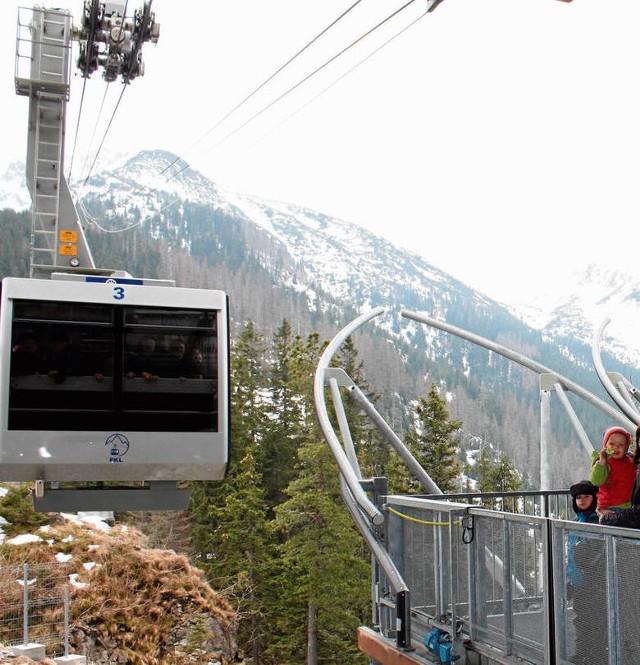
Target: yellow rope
415,519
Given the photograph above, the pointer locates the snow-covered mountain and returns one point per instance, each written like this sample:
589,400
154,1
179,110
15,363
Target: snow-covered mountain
353,264
13,188
279,260
324,254
596,303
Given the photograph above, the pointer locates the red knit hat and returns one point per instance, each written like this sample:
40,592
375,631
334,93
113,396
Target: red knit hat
612,430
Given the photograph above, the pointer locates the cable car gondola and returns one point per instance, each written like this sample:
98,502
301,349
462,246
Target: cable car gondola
112,379
104,379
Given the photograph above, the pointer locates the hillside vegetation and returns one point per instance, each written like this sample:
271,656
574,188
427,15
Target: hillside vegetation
129,603
275,538
215,247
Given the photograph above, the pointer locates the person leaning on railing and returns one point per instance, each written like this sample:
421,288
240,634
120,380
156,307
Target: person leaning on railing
629,517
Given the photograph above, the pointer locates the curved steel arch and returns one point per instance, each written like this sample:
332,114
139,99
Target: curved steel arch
608,385
524,361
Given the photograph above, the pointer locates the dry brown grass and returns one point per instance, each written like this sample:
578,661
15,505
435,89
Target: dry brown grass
142,606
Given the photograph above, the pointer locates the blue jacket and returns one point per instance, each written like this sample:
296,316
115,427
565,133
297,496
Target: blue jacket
574,573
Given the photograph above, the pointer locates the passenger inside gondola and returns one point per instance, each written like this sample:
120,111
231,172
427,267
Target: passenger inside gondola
60,358
195,367
146,363
175,363
26,357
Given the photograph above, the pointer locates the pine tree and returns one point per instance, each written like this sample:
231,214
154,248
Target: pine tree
248,386
241,556
301,585
497,473
230,518
248,389
327,579
431,442
14,243
323,576
283,420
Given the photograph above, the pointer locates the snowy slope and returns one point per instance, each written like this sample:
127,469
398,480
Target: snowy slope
357,266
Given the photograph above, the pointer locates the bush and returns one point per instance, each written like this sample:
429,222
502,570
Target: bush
16,506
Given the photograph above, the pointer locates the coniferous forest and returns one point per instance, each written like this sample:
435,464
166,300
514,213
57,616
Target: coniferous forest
275,537
214,247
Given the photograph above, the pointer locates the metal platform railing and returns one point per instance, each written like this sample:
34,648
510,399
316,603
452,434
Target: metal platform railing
496,583
486,573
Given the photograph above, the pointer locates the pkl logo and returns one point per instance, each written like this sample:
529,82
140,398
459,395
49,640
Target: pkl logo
118,447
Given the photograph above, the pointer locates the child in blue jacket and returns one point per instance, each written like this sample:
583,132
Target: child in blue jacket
584,495
584,586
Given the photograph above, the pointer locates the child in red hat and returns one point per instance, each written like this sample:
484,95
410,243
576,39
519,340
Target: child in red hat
613,471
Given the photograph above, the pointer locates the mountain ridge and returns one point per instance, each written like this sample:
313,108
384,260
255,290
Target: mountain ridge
589,297
280,260
579,305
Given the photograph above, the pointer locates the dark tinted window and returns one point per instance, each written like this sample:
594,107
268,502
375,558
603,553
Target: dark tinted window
103,367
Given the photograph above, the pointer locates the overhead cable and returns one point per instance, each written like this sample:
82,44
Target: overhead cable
349,71
306,78
250,95
303,80
75,138
104,136
145,19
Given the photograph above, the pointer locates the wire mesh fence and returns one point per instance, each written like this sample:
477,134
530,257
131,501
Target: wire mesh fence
33,598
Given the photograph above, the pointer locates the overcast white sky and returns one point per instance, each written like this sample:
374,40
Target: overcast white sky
498,138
